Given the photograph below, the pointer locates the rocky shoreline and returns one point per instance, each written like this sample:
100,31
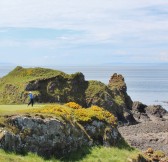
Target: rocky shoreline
151,134
151,129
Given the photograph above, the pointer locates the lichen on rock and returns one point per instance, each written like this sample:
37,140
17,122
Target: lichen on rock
53,137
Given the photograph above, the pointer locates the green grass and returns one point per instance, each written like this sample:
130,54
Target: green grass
94,154
12,157
113,154
13,109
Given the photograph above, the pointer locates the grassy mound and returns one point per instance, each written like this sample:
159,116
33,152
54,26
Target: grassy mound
12,86
21,75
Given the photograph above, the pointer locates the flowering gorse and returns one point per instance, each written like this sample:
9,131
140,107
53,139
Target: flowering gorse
73,105
74,111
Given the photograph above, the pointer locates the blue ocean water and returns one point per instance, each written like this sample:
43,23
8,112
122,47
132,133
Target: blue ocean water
148,84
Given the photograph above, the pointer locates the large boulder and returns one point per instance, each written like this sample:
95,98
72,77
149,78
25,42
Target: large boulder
52,137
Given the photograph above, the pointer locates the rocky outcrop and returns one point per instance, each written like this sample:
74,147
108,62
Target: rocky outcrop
51,86
156,112
59,89
118,89
139,111
143,113
52,137
139,107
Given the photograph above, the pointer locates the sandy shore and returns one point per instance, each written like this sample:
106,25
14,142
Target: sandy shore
148,134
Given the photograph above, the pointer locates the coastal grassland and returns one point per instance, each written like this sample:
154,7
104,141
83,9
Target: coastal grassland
7,110
21,75
15,109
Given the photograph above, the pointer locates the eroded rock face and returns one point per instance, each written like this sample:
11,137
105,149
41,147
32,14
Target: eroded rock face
32,86
156,111
59,89
119,89
143,113
49,137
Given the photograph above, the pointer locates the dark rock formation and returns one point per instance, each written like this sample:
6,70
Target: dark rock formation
139,111
143,113
60,89
156,111
51,137
138,106
32,86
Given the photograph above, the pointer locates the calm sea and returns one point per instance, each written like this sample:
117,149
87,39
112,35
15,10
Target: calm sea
148,84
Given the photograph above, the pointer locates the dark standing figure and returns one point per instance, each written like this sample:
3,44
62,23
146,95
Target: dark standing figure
31,99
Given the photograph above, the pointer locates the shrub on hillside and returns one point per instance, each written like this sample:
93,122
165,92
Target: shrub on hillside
74,111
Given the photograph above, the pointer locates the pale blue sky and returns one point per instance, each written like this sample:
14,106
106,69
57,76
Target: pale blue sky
85,32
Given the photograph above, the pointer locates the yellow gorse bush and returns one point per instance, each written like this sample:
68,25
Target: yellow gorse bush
55,110
82,115
76,112
73,105
96,108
